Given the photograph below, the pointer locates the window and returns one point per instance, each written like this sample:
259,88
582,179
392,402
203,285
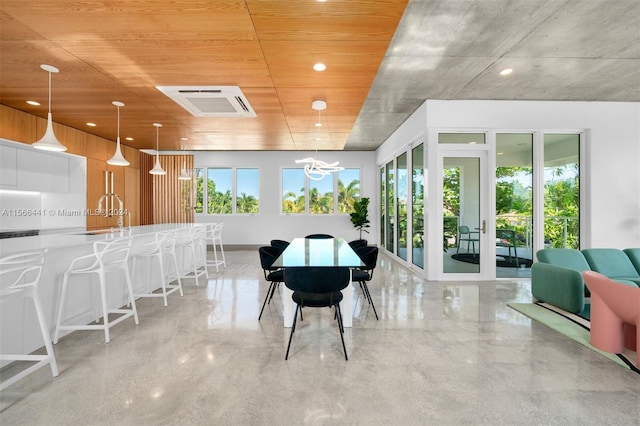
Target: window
321,196
334,193
348,189
199,174
293,190
247,191
218,195
562,190
219,191
417,210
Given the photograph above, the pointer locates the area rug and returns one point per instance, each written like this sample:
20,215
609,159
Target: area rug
501,261
570,325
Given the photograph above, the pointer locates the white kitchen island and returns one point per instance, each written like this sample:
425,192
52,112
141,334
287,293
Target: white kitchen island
19,330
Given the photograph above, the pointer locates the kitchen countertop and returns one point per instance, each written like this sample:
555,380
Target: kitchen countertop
11,246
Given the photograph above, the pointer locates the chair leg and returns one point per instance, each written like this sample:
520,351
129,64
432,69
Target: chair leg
293,329
127,278
175,264
63,295
341,330
366,287
163,278
266,298
44,328
273,290
105,310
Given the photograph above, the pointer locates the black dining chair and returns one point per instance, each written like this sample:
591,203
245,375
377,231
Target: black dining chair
354,244
273,275
280,244
369,256
319,236
317,287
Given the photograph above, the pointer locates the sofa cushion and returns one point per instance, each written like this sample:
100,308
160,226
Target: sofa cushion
558,286
569,258
612,263
634,256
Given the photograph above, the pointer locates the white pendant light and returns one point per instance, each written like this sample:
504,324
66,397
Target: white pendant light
316,169
118,159
49,142
184,175
157,169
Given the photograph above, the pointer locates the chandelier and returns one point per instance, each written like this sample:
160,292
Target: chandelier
313,168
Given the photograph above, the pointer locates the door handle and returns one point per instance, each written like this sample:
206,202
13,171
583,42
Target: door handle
484,226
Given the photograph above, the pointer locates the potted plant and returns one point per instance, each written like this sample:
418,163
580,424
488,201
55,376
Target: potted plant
360,215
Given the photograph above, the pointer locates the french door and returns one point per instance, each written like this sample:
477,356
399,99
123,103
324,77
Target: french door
464,215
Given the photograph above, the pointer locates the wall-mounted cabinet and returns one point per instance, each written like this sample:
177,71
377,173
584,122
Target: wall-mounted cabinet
40,189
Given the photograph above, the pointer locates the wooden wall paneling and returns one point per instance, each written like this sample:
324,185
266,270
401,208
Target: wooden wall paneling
99,148
132,193
18,126
170,205
131,155
75,140
146,189
95,189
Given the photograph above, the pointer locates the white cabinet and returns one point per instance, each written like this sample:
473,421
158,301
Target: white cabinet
8,167
41,171
41,189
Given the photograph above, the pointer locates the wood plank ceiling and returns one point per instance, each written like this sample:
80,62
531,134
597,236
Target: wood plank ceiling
122,49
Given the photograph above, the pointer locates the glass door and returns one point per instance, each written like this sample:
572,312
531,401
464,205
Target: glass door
464,213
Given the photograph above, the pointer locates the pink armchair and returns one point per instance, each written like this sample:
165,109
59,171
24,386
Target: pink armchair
615,314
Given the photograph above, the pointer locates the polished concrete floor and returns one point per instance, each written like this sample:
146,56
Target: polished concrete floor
441,354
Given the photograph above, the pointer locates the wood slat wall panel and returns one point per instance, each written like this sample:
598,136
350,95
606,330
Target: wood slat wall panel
146,189
172,198
17,126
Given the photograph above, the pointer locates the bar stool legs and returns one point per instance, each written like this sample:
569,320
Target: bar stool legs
163,247
19,276
108,256
214,236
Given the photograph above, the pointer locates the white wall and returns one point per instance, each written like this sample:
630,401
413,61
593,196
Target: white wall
270,223
612,169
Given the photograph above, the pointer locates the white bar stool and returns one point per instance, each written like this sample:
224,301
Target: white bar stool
164,247
190,242
107,256
19,277
214,236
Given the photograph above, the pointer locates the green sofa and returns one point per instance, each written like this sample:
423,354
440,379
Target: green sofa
556,278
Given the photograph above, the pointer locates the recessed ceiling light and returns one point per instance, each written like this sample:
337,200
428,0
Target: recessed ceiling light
506,71
34,103
129,138
472,143
501,153
91,124
321,1
319,67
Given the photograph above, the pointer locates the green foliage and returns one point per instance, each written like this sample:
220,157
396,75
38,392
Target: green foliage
246,204
359,216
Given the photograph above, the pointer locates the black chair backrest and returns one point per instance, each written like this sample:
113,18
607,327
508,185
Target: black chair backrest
358,243
369,255
317,279
268,255
319,236
280,244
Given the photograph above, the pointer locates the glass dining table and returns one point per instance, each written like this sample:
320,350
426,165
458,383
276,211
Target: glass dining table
309,252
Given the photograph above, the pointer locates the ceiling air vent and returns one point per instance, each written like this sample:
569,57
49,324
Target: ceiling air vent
210,101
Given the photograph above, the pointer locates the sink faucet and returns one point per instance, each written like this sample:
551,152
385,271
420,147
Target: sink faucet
108,196
109,213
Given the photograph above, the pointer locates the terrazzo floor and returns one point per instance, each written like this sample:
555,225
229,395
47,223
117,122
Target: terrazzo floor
442,353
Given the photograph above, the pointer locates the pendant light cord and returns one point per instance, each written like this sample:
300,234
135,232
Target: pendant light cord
49,92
